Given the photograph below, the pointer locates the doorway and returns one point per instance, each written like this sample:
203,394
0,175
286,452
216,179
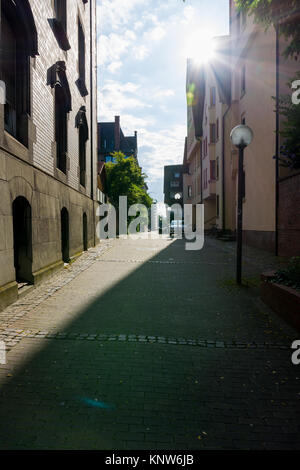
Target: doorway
22,232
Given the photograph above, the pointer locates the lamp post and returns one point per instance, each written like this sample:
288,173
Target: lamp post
241,136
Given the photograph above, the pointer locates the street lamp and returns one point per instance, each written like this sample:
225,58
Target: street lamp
241,136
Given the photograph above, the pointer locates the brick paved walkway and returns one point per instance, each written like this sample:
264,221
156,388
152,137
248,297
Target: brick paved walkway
142,345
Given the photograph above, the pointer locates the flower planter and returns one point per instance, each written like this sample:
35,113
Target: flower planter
283,300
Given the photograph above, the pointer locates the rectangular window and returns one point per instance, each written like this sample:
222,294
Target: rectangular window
190,191
81,84
213,96
217,168
82,156
212,133
174,184
205,180
15,72
81,52
213,170
60,8
218,205
217,129
61,129
243,80
205,147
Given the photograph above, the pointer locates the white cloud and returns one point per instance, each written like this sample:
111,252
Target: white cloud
138,25
167,149
189,13
140,52
111,48
116,13
117,98
155,34
160,94
114,66
130,35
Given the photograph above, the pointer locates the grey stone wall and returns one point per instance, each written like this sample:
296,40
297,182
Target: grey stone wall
31,172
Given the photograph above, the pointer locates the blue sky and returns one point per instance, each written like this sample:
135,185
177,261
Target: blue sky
142,51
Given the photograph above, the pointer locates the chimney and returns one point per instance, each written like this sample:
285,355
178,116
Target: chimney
117,133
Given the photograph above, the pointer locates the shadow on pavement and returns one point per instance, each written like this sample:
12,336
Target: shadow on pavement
95,393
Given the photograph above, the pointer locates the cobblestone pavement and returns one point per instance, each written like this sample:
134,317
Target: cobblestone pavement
142,345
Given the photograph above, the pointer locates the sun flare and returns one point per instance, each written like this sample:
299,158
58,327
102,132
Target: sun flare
200,46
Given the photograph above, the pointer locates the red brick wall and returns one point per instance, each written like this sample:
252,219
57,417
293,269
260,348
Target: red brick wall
289,217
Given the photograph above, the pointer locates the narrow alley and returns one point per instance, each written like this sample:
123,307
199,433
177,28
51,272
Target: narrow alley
143,345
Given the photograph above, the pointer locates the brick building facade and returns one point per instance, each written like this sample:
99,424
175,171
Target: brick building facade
48,138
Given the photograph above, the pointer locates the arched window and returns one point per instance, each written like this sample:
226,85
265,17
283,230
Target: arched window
57,79
18,44
83,135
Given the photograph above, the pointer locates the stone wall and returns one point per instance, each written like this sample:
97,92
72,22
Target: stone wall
30,172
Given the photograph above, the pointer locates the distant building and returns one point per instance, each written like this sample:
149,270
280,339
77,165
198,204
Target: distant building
173,184
111,139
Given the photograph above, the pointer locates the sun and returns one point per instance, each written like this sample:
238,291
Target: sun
200,46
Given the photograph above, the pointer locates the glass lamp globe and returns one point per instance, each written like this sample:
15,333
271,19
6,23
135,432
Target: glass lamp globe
241,136
177,196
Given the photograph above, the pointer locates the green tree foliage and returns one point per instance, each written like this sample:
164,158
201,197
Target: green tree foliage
284,13
290,149
125,178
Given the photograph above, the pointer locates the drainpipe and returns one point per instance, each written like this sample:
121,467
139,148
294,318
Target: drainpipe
92,116
223,168
277,143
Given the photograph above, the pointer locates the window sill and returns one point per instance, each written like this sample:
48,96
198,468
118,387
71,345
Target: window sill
61,176
15,147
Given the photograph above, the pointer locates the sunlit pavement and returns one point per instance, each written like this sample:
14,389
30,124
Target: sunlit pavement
148,346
